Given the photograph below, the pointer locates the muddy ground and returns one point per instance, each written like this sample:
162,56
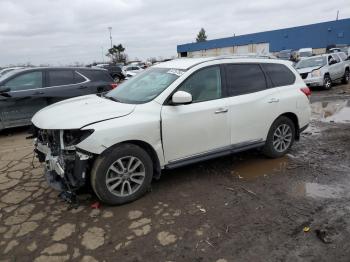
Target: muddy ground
239,208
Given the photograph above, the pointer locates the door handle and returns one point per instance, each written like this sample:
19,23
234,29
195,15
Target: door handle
221,111
38,93
274,100
82,87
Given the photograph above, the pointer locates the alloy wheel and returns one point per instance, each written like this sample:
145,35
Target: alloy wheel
125,176
282,138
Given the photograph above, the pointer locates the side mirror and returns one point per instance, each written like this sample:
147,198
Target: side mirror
4,91
181,97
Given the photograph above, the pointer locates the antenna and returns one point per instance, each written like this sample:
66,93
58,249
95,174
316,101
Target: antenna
337,15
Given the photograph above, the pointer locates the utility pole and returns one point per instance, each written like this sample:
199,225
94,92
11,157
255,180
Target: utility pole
103,58
110,35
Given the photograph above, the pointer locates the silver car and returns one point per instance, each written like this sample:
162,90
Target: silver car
324,70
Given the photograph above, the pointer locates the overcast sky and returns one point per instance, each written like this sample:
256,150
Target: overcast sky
59,32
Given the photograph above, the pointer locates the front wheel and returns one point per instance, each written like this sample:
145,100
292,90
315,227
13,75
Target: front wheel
346,77
122,174
280,137
327,82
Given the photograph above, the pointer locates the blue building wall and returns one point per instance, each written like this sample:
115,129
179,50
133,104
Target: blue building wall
315,35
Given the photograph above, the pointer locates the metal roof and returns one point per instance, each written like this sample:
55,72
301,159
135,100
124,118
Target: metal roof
314,35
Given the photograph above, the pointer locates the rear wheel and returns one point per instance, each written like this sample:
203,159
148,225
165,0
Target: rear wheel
346,77
280,137
327,82
122,174
116,78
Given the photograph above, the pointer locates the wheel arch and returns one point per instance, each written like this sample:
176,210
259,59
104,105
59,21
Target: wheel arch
295,121
149,149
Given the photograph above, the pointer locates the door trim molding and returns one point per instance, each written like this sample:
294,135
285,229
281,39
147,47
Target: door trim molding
223,151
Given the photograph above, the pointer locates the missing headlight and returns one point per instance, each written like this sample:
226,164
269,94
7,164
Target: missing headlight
74,137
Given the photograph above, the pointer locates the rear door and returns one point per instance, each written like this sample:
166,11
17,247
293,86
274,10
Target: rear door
253,105
63,84
23,100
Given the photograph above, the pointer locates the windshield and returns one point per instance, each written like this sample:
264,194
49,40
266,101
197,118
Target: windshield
312,62
8,73
145,86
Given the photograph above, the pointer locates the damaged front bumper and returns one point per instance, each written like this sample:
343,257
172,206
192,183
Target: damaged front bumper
65,166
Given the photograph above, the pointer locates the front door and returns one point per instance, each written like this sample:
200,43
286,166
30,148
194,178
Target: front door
24,99
200,127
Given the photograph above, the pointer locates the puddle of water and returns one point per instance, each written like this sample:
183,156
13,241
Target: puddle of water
316,190
334,111
255,168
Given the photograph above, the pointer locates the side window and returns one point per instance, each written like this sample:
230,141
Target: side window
26,81
279,74
97,75
336,58
60,77
342,56
204,84
244,79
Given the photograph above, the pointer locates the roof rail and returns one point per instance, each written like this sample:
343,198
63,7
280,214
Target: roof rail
248,55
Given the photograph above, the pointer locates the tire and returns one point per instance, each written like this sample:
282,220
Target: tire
116,78
271,148
110,183
327,82
346,77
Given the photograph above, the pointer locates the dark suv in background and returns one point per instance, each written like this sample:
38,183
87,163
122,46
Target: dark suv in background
115,71
26,91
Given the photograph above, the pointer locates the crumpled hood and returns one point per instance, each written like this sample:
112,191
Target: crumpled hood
307,69
77,112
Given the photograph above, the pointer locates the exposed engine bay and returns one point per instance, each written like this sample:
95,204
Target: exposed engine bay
66,166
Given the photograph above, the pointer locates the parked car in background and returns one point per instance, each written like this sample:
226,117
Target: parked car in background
323,70
8,69
116,71
305,52
285,54
156,119
345,50
132,70
24,92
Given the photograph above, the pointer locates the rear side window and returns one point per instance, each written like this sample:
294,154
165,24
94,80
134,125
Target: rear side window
60,77
342,56
244,79
78,78
280,75
97,75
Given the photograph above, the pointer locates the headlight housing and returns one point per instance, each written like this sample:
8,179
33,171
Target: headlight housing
316,73
75,136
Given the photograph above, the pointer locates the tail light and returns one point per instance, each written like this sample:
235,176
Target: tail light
114,85
306,91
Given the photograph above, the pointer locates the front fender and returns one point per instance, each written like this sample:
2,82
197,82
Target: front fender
145,127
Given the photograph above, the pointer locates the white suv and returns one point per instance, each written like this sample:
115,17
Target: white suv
176,113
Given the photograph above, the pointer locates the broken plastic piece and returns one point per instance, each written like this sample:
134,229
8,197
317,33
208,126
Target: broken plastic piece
96,205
